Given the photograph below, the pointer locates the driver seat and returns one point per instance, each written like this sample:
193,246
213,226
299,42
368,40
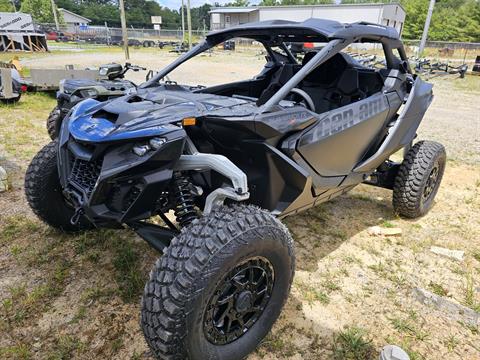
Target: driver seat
279,78
331,85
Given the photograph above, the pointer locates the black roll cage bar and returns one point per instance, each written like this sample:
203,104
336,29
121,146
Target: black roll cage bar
331,48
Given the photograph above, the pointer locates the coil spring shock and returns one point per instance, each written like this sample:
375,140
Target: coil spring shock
184,205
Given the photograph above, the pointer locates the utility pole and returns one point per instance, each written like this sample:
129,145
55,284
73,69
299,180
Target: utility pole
107,37
183,22
426,27
189,24
124,29
55,16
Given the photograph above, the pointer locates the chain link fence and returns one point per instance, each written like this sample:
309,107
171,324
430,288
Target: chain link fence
112,36
104,35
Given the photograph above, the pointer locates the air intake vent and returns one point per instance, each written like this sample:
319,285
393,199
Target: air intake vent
102,114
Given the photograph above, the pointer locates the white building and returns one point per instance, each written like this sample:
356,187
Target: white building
385,14
73,21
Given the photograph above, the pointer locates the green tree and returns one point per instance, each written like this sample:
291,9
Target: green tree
269,3
452,20
238,3
6,6
41,10
201,15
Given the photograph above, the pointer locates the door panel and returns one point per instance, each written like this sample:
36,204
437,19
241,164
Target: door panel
342,136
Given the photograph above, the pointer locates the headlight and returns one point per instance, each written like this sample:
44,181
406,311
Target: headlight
153,144
89,93
156,143
141,150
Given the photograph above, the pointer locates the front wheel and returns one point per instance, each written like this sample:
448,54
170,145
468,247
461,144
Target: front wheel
418,179
54,122
219,287
44,192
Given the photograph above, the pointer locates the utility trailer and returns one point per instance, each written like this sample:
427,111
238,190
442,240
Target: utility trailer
49,79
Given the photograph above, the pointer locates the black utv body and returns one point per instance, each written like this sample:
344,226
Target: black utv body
73,91
221,165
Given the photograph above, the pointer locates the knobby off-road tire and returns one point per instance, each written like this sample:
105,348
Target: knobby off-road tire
418,179
196,274
44,193
54,122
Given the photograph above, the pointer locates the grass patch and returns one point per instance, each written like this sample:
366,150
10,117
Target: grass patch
331,285
23,304
275,344
16,226
65,347
79,315
437,289
312,294
22,126
407,327
387,224
16,352
470,298
353,344
469,84
129,277
97,294
451,343
476,255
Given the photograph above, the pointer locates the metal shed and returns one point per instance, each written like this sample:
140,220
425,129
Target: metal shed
391,14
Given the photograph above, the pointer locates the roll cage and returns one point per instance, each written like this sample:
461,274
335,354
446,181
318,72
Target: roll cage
337,37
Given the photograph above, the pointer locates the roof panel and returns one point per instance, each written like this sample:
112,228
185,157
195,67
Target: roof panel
328,29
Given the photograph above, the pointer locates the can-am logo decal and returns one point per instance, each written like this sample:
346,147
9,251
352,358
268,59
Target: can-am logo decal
345,117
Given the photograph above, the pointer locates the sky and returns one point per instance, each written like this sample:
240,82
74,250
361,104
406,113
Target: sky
175,4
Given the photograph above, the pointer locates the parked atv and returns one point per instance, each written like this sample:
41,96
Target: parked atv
229,161
72,91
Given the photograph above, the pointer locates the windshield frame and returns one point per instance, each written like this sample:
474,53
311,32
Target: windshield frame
205,45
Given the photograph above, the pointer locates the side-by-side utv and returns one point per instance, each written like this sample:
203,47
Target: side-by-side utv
73,91
221,165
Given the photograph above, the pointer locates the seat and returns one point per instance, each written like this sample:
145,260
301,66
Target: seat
279,78
333,84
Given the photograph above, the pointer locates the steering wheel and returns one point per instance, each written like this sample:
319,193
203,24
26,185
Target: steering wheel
307,99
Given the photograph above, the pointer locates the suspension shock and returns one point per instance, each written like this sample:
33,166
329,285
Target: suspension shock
184,204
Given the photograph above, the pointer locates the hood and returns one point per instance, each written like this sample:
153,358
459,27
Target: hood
150,112
70,85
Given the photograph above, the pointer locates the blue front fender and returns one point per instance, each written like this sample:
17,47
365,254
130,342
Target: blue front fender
84,127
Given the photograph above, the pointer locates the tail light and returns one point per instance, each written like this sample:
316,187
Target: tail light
23,88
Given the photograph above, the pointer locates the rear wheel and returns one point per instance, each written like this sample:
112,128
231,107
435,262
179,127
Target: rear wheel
219,287
44,193
418,179
54,122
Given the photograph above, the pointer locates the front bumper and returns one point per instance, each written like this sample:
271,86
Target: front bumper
111,185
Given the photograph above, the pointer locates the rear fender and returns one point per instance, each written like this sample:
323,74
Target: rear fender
403,131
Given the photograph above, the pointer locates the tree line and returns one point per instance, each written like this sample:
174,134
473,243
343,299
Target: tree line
453,20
